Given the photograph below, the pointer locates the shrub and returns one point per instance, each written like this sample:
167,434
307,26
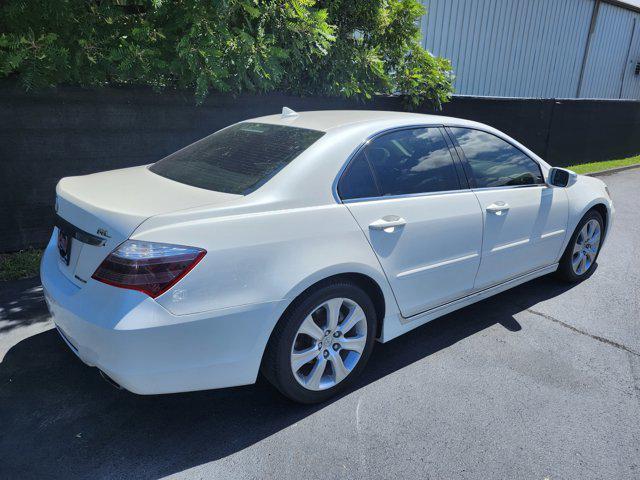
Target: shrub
330,47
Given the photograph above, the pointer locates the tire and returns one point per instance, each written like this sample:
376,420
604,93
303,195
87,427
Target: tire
290,345
566,268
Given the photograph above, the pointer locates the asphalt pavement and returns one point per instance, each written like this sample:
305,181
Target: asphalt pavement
542,381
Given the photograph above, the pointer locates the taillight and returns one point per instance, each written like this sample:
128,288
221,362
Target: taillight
152,268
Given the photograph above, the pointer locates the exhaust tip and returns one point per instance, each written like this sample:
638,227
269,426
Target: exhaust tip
110,380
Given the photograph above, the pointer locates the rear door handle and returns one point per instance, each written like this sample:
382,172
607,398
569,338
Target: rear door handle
390,221
498,208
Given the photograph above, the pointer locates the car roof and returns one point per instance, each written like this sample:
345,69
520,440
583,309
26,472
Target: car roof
329,120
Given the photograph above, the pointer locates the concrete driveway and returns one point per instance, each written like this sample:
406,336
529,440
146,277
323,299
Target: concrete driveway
539,382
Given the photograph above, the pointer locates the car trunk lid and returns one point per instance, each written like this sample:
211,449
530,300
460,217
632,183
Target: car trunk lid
100,211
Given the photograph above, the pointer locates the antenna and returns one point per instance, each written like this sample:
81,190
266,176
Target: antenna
287,112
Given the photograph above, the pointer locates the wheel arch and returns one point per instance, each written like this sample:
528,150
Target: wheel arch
369,283
577,214
602,209
599,206
374,283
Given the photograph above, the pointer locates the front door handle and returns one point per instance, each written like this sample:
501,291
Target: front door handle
388,223
498,208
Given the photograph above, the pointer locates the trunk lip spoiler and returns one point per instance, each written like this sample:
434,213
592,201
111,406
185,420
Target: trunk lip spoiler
78,233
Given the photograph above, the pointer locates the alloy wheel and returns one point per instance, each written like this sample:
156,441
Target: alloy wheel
586,247
329,344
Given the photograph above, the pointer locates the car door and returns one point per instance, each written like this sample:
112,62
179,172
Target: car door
524,219
411,200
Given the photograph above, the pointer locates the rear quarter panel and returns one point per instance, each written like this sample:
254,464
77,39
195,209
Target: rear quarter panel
264,257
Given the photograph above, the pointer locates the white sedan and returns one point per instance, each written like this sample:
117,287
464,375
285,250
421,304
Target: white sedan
289,244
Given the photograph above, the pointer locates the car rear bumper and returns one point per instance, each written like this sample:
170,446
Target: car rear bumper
148,350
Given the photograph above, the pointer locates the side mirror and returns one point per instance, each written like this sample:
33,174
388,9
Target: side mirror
560,177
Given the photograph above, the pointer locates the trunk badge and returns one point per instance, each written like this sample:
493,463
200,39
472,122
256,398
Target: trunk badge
103,232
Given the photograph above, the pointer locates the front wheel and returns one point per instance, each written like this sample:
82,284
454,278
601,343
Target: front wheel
322,343
579,258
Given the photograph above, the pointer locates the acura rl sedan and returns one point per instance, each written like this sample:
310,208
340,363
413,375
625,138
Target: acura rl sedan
290,244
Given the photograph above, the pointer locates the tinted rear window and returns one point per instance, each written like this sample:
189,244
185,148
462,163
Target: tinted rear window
238,159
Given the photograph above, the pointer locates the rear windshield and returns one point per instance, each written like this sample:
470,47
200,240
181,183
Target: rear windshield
237,159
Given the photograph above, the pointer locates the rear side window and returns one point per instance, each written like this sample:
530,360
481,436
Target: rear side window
237,159
412,161
494,162
358,181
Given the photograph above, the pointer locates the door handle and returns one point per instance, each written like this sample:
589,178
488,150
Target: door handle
388,222
498,208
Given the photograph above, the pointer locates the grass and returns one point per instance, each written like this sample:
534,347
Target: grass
599,166
23,264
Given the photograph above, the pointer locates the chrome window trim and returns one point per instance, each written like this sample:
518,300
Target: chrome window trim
405,195
505,187
443,192
373,136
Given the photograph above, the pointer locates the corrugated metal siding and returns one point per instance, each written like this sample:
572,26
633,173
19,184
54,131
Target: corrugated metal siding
631,85
531,48
607,67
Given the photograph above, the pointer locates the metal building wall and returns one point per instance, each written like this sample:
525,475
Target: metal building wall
613,53
533,48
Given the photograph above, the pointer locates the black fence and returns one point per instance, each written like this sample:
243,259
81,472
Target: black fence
71,131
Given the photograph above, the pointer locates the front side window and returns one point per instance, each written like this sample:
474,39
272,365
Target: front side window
237,159
494,162
410,161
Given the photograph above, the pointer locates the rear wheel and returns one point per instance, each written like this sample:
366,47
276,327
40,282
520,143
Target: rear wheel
322,344
579,258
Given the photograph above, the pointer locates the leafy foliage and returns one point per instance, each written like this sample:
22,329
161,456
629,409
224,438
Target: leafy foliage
328,47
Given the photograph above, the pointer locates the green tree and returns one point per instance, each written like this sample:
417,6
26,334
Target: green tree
329,47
